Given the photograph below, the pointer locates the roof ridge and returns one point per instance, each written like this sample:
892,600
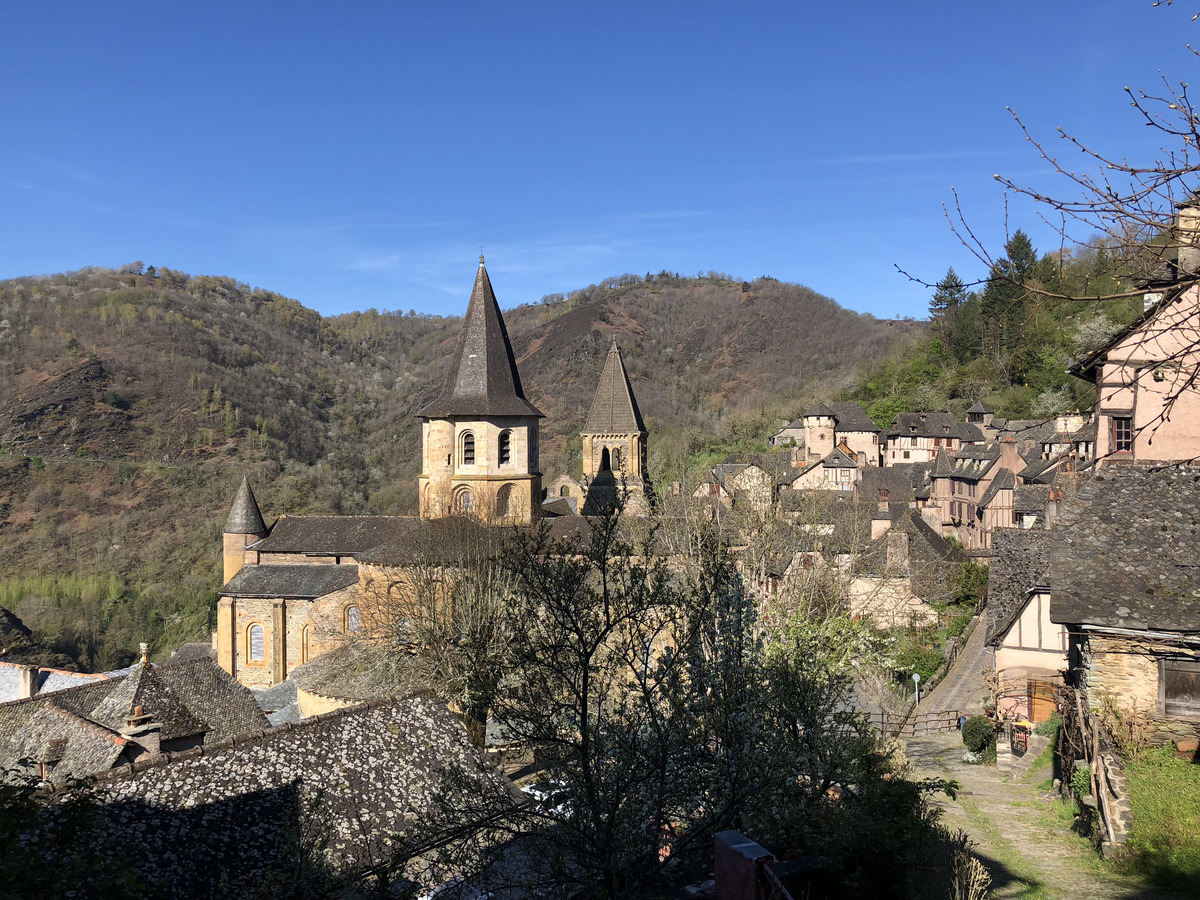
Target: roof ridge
102,730
250,738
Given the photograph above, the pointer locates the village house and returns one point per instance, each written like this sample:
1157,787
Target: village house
1126,586
1148,408
828,426
917,437
1030,651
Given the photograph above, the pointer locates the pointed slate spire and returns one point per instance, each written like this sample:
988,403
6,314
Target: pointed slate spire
245,518
943,466
484,380
614,410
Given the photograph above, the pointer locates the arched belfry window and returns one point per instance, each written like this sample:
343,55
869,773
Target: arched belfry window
256,643
352,619
505,455
604,463
468,449
616,459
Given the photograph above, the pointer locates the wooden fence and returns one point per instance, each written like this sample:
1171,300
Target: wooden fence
914,725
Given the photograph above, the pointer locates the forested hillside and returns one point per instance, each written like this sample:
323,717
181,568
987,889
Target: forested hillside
132,402
1011,342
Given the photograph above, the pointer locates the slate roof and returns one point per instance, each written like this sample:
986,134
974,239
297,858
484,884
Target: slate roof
968,432
355,671
614,409
354,781
905,482
301,582
1004,481
934,424
821,409
851,417
49,680
775,465
930,554
145,688
943,465
185,697
839,460
244,517
1041,471
334,535
981,407
50,734
1125,551
1030,497
484,380
1020,561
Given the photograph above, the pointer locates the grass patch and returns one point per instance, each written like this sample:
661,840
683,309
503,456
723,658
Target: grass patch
1164,845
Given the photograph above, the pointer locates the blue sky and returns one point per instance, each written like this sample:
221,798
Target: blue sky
357,155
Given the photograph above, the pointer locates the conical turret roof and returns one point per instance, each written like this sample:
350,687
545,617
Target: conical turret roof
245,518
484,380
614,411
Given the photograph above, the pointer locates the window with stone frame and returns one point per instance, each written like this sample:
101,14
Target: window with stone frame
1122,434
1179,687
257,647
505,454
468,449
353,619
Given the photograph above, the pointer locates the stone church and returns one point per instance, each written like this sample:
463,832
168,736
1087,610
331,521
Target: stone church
298,588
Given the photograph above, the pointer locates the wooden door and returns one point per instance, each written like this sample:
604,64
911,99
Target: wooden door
1041,700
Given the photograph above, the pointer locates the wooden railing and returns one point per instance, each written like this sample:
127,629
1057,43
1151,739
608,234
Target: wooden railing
914,725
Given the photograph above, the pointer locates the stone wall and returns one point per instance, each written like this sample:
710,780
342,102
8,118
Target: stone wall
1125,670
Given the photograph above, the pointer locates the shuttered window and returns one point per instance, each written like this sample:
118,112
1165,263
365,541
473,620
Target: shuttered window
1179,687
256,643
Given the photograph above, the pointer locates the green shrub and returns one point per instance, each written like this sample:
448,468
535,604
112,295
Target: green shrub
1081,781
977,733
1050,727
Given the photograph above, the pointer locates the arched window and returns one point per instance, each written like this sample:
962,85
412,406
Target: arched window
564,491
305,635
504,500
464,500
468,449
352,619
505,455
604,463
616,459
256,643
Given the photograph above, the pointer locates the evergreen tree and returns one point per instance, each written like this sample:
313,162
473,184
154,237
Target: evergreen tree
1005,300
950,293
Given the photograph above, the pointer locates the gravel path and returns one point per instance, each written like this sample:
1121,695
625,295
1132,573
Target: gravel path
1028,849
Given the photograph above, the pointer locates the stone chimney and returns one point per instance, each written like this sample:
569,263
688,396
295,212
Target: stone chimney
28,685
1187,232
1051,512
897,553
